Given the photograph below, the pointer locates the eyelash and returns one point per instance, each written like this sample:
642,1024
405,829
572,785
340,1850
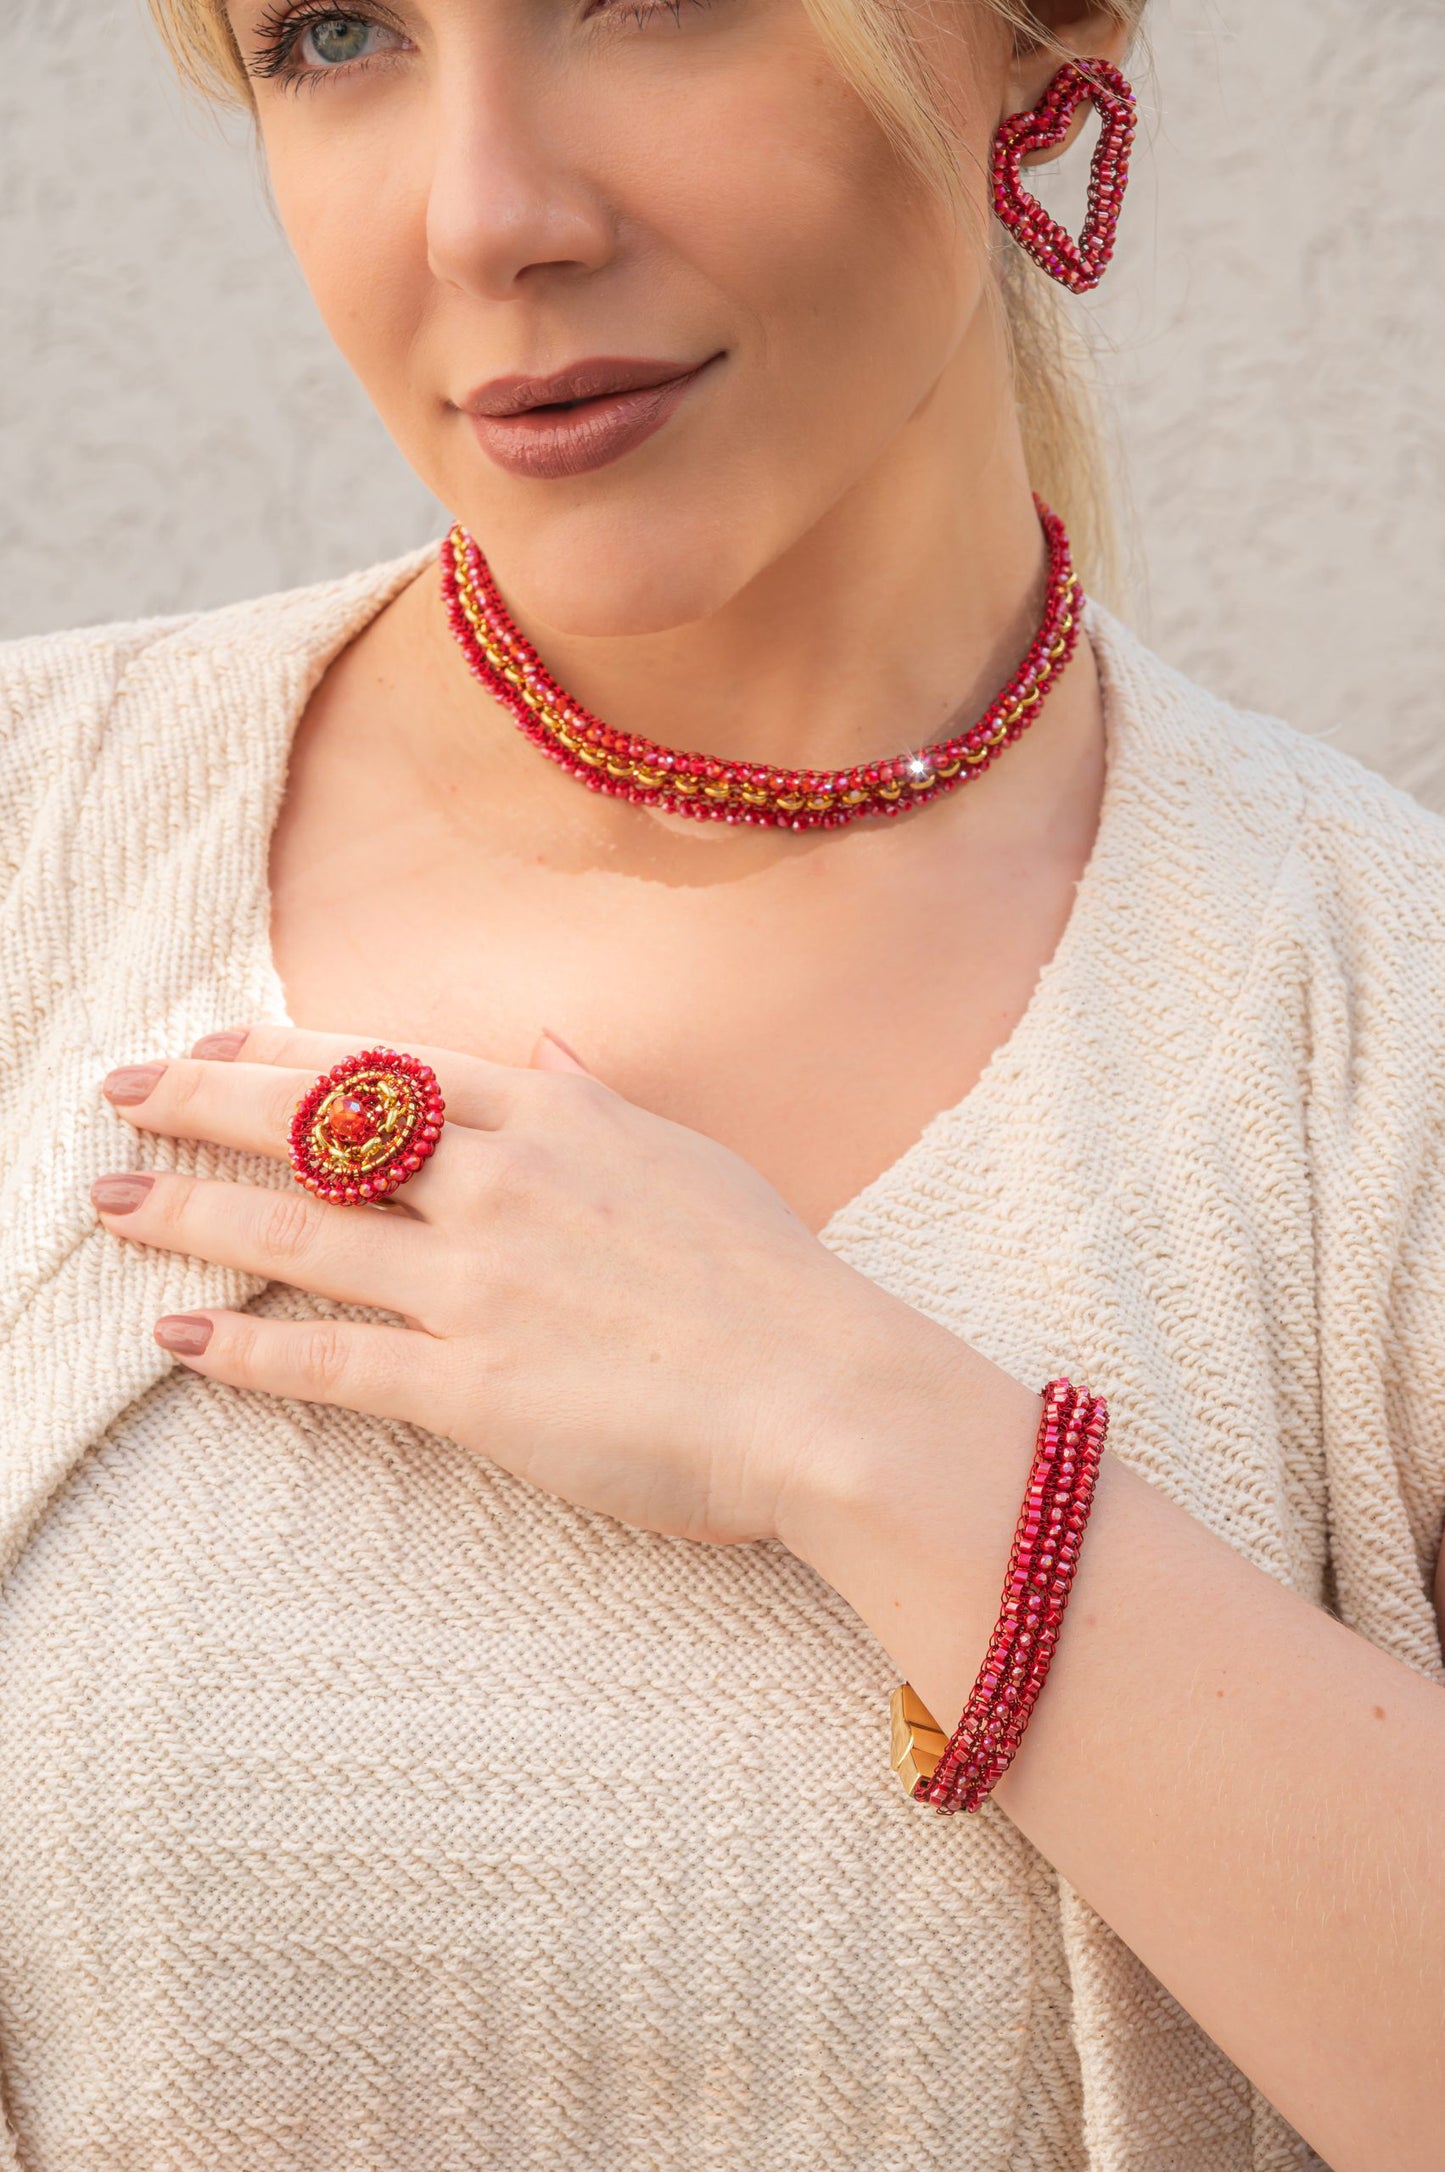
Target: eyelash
280,33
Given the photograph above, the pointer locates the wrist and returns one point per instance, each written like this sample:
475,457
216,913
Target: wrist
908,1499
911,1513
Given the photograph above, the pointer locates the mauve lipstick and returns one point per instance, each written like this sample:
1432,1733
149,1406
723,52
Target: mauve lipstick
616,401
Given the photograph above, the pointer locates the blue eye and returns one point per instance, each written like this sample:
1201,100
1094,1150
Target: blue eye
304,44
336,38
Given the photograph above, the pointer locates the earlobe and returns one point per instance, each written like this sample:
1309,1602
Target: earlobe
1078,33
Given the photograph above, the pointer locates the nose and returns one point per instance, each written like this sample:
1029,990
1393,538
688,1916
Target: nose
505,197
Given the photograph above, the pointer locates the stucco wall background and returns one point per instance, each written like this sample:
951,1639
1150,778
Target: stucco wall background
175,428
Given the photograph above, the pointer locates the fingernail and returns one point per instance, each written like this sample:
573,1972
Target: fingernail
220,1047
132,1082
186,1332
118,1194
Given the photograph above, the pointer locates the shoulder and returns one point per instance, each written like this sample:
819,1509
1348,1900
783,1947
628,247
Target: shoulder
56,692
1288,824
155,693
49,678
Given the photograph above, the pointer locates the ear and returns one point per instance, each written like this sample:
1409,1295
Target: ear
1084,32
552,1054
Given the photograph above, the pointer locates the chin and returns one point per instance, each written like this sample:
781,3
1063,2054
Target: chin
623,569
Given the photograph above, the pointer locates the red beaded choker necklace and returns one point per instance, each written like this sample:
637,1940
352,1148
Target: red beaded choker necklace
637,769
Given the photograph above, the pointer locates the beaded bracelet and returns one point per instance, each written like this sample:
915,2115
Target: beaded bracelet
959,1772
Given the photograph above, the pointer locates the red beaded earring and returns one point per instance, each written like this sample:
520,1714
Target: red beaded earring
1079,264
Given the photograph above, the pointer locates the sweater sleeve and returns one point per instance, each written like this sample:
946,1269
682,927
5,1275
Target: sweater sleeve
57,692
1377,1121
1414,1378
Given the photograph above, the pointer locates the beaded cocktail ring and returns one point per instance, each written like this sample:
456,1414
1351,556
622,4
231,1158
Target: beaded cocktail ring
367,1124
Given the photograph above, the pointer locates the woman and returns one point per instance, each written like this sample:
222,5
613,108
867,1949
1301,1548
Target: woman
448,1627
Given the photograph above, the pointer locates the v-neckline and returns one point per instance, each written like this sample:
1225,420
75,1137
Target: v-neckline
946,1133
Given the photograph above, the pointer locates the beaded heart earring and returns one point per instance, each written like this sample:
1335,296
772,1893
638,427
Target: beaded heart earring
1078,265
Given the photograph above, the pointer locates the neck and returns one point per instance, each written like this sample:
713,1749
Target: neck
891,622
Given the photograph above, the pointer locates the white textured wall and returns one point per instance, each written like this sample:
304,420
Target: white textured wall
1278,337
175,429
175,426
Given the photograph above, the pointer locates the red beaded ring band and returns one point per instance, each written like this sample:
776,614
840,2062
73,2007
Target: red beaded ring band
960,1772
366,1126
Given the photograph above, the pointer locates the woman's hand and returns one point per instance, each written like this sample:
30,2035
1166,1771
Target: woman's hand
614,1307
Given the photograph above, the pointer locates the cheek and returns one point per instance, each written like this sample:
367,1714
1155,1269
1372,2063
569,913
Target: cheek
843,292
751,203
355,215
846,285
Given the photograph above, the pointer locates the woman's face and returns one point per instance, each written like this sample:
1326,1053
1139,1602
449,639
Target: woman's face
480,189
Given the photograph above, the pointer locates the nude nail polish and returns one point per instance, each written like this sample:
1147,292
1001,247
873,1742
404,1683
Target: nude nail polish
132,1083
187,1333
119,1194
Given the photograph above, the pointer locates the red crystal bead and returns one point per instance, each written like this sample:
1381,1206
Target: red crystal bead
352,1121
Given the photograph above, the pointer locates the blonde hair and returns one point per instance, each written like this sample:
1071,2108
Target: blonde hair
872,43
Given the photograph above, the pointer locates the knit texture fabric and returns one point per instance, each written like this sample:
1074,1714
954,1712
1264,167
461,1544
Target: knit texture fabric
365,1810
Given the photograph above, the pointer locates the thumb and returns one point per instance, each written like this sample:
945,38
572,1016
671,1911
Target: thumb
553,1054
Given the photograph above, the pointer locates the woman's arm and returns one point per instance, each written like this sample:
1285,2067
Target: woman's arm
1248,1792
619,1310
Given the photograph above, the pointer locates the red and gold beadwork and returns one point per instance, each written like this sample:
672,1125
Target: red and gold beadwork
1078,265
710,789
960,1771
367,1124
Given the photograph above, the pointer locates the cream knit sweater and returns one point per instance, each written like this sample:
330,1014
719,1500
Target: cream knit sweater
341,1826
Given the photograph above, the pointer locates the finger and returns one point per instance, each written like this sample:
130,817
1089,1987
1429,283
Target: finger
551,1053
360,1255
248,1105
465,1080
389,1372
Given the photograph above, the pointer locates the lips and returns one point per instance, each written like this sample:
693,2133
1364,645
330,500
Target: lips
590,379
580,417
